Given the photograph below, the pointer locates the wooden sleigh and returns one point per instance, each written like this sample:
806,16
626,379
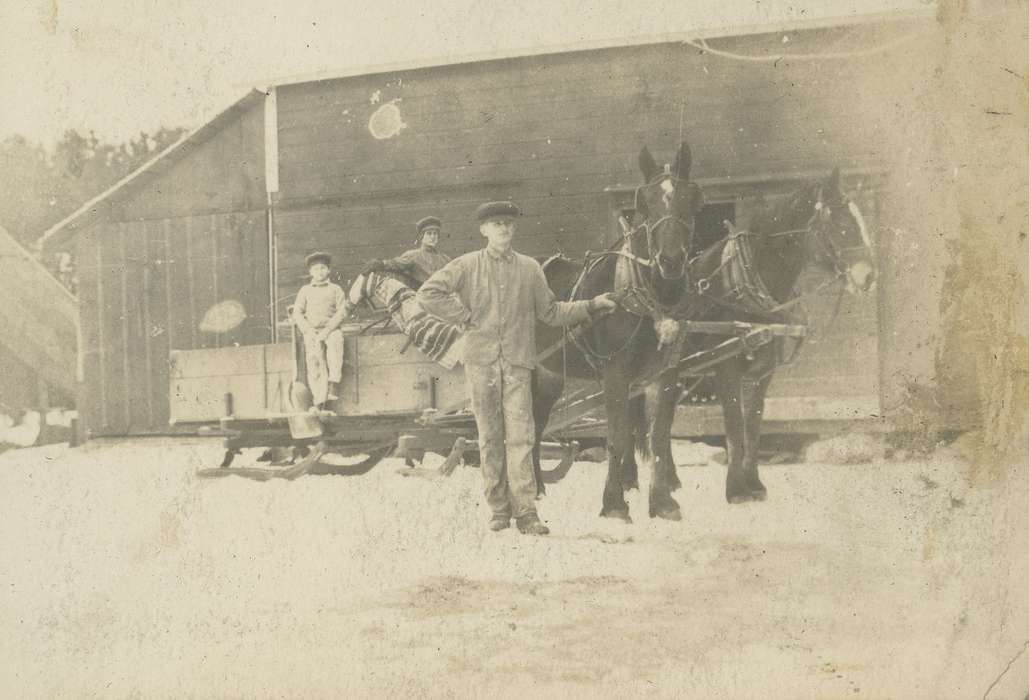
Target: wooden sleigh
386,389
395,402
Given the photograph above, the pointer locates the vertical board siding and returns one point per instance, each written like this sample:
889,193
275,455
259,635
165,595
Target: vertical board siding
136,378
153,285
252,246
158,340
90,399
112,331
194,235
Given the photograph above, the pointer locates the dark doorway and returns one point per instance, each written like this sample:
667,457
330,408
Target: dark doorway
709,226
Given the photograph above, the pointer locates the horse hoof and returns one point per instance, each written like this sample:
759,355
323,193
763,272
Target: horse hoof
758,494
673,514
635,485
622,515
737,498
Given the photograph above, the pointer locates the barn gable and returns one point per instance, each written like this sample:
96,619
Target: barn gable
177,243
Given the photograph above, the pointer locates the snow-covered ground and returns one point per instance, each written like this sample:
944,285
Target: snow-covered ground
123,575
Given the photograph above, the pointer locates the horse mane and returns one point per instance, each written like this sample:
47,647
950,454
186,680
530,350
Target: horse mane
790,211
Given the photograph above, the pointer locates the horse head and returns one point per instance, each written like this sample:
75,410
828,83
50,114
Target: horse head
840,238
666,204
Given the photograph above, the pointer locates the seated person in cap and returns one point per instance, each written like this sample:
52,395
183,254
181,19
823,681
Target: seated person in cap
318,311
418,263
499,295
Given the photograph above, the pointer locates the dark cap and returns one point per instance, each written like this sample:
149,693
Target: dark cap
493,209
428,222
318,258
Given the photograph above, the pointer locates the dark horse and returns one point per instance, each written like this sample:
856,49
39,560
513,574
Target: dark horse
750,276
647,271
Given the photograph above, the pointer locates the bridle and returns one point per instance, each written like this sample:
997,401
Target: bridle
651,227
819,228
640,299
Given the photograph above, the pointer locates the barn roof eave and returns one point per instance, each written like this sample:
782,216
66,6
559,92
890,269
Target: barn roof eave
93,210
857,19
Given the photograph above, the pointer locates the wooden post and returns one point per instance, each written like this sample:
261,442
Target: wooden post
271,186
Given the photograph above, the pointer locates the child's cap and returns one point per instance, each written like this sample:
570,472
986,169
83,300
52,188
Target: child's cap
318,258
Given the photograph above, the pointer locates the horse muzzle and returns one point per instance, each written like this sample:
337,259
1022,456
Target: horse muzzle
667,331
861,278
671,267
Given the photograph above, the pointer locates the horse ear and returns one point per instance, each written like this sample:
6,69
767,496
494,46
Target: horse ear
648,166
683,161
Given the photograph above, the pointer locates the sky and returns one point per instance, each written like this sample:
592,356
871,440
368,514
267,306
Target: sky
117,67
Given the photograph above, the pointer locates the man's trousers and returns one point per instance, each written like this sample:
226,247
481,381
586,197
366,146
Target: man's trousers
502,401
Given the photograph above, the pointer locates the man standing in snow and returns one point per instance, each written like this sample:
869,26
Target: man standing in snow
498,295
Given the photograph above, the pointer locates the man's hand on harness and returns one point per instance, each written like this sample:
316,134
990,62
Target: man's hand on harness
602,304
372,266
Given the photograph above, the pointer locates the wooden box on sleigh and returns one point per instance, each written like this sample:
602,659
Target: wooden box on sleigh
382,375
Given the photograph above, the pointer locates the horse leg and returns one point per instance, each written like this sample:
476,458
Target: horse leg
619,439
753,394
728,377
637,438
547,387
661,397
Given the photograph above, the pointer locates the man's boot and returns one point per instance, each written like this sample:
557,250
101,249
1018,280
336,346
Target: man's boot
532,526
499,522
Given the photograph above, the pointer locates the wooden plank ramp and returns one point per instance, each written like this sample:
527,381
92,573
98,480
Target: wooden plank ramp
39,317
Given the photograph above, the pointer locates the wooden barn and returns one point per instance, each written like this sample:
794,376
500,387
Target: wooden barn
347,164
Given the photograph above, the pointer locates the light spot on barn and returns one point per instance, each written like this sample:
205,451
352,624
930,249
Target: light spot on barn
223,317
386,122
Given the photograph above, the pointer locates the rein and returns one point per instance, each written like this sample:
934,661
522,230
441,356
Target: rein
639,294
578,338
